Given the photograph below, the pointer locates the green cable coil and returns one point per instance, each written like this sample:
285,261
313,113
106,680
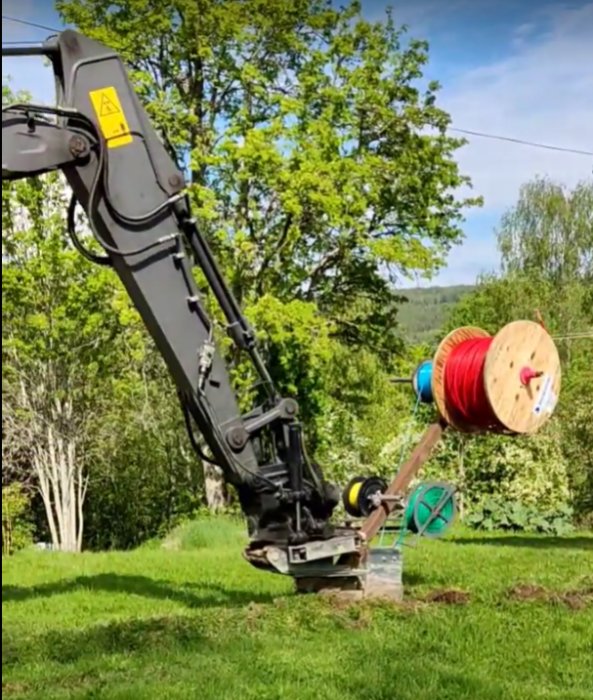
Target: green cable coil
430,510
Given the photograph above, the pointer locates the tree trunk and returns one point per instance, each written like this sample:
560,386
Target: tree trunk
214,488
52,437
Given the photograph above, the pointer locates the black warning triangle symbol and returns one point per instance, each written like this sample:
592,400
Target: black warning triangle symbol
107,107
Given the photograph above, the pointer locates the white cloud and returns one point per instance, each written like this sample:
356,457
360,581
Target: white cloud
544,93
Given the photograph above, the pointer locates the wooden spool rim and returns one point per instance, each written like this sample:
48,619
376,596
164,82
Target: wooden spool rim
522,408
446,347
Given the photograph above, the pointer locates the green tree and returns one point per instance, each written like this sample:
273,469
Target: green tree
54,334
549,233
320,172
89,416
16,525
546,246
319,168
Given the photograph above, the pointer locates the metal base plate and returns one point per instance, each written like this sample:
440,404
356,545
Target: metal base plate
338,556
384,577
340,566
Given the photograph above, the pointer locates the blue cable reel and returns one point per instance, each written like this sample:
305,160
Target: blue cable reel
422,382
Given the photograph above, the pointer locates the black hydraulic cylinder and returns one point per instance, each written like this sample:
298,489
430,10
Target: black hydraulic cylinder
238,328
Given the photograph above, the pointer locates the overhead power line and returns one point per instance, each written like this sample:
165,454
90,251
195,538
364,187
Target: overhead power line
469,132
575,336
27,23
20,43
522,142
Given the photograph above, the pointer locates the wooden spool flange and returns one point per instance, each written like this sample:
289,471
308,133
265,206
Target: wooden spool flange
521,376
520,402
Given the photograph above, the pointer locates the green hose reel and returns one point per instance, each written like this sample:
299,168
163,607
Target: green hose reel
430,509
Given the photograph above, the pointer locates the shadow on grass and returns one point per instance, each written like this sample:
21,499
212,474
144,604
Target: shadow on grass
414,578
543,542
210,594
127,637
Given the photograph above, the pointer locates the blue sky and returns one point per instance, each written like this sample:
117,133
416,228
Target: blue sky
517,68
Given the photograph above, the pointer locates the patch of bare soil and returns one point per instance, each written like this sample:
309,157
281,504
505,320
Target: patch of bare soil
575,599
448,596
525,591
13,687
367,605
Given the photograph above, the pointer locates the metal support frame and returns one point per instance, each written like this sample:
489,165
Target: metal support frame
402,479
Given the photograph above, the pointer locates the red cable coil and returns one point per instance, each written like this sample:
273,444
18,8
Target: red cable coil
464,385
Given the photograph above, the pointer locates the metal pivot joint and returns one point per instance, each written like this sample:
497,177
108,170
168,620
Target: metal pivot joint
31,145
239,435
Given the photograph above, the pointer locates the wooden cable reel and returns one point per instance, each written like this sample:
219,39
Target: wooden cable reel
521,377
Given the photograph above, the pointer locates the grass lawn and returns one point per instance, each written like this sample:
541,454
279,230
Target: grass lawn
191,621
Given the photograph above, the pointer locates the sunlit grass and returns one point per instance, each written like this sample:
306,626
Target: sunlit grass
194,620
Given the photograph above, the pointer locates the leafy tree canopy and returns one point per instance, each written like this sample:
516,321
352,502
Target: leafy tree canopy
320,169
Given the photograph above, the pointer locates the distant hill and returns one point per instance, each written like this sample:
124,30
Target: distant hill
426,310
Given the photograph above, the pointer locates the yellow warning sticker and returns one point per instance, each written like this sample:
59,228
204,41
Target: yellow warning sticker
112,119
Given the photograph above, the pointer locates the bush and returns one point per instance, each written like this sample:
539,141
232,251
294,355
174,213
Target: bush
496,514
17,531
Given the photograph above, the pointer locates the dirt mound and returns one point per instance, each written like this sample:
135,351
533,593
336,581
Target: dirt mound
448,596
525,591
575,599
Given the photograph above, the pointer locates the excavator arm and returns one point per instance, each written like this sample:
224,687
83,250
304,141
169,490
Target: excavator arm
101,138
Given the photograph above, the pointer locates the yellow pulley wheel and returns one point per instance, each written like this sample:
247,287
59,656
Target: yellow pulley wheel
350,496
359,495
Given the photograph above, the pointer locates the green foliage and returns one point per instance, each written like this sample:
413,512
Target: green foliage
363,412
144,477
549,233
17,529
295,339
497,514
532,471
546,242
53,301
316,164
577,445
69,333
425,310
320,173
